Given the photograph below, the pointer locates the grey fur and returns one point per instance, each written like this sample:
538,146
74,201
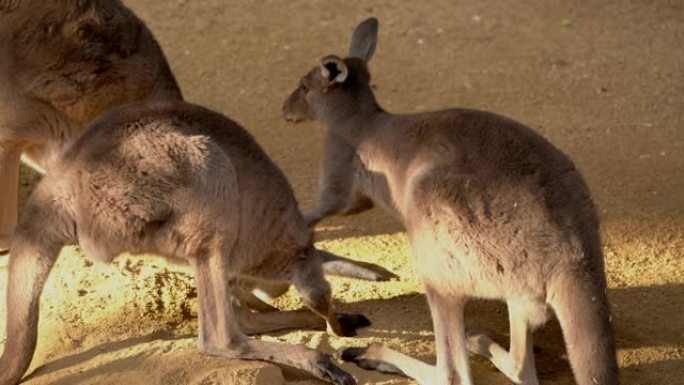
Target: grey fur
63,63
186,183
492,210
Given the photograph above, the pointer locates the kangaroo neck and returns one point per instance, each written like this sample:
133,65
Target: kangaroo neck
357,127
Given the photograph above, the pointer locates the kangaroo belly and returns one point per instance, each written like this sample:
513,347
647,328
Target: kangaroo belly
480,264
458,272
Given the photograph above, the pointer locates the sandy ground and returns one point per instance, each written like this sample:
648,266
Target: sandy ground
603,80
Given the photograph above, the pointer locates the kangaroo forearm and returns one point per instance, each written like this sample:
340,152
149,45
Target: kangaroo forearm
336,204
337,185
330,202
360,204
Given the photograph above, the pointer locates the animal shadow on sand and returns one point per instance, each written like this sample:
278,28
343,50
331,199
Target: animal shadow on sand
638,320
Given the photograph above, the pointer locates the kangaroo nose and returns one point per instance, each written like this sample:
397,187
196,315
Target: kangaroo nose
287,114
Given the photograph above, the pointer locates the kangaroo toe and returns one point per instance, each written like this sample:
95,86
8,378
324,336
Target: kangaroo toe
329,371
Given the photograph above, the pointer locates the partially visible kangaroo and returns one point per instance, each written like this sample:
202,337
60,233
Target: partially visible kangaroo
63,63
492,210
189,184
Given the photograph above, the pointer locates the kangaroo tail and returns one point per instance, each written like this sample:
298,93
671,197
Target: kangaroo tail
36,244
581,305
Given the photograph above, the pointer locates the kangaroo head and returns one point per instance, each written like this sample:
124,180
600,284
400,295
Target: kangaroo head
337,87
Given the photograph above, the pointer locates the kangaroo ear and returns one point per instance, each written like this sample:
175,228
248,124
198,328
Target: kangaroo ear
334,69
364,39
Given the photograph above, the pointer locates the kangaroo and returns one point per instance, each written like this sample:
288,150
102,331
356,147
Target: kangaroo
63,63
189,184
492,210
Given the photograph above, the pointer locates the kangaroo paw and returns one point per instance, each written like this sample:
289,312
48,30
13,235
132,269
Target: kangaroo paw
367,358
328,370
350,323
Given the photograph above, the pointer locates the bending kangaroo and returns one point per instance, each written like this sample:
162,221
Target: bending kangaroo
491,208
63,63
180,181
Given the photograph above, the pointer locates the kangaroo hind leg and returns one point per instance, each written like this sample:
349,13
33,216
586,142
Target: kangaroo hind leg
29,267
517,363
453,366
37,241
220,333
452,358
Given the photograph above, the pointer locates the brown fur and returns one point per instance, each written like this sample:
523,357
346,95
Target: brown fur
63,63
491,208
180,181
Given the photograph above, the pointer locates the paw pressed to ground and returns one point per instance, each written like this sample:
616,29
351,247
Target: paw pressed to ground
364,358
333,373
350,323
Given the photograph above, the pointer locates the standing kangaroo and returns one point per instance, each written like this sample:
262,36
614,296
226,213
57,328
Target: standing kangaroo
189,184
63,63
491,208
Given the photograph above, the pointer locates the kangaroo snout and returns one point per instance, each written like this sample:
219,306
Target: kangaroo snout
289,115
296,107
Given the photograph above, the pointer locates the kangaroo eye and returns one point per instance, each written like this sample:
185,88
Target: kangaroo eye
304,87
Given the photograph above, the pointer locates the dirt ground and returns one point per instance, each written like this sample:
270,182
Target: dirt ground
603,80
